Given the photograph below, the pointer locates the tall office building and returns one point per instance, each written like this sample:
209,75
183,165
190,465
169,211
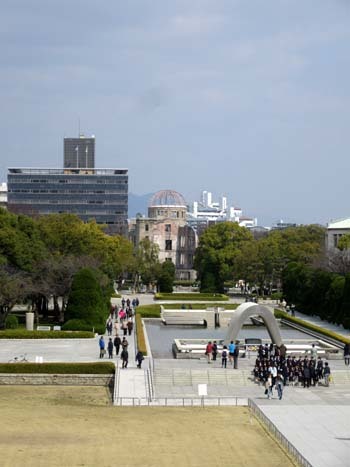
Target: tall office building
79,152
99,194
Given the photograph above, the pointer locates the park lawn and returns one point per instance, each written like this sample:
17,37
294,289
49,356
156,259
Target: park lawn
76,426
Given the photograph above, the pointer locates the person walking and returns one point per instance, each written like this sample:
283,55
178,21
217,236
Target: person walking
236,355
279,385
124,327
109,327
214,351
208,351
125,358
117,342
139,358
268,386
231,351
326,374
110,348
101,344
125,344
307,375
314,352
130,326
347,354
224,357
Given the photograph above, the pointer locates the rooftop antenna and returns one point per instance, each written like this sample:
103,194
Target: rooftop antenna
78,127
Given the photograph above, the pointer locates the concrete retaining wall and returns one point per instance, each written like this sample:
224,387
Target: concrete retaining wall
55,379
197,316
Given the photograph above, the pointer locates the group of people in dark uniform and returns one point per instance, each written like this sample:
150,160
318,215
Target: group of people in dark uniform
305,371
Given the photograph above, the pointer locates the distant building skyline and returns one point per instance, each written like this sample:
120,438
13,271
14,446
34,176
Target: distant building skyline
91,194
209,211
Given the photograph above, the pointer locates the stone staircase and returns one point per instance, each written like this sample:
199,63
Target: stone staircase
192,377
341,377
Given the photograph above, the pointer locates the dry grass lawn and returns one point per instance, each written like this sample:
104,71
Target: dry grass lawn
76,426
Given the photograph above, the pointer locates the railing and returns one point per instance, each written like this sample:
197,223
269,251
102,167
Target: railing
116,382
278,435
182,401
313,333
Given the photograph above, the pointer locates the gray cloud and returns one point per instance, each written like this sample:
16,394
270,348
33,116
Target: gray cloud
247,98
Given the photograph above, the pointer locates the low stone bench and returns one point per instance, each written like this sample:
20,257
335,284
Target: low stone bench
43,328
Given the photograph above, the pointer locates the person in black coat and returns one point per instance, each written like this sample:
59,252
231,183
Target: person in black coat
139,358
117,342
347,354
110,348
125,358
307,375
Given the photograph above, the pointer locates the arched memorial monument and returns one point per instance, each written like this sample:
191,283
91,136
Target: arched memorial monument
247,310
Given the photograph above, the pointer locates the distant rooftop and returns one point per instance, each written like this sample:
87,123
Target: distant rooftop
340,224
66,171
167,198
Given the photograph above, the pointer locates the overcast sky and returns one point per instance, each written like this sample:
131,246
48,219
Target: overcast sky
247,98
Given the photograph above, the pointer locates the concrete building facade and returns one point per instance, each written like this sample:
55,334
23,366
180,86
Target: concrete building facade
99,194
335,230
3,195
79,152
166,226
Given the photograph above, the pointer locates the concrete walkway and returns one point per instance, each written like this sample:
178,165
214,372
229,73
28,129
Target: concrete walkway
315,420
339,329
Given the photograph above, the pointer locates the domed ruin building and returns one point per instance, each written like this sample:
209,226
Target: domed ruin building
166,225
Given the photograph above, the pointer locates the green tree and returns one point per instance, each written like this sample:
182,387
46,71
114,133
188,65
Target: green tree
14,287
20,243
86,300
217,252
166,277
67,235
147,265
344,242
334,297
343,317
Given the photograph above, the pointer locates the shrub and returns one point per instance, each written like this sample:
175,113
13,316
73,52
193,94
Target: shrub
166,277
276,296
98,368
191,296
81,325
11,322
86,300
148,311
279,314
140,336
185,283
24,334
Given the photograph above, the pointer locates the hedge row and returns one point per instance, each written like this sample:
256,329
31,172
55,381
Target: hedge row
24,334
81,325
140,336
281,314
98,368
148,311
191,296
199,306
186,283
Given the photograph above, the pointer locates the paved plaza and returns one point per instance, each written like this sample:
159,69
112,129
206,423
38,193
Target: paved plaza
315,420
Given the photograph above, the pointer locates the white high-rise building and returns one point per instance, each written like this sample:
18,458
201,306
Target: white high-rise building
223,203
208,211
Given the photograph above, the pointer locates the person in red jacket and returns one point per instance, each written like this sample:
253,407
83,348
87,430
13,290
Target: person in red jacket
208,351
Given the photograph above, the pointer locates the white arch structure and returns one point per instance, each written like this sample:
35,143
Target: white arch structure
245,311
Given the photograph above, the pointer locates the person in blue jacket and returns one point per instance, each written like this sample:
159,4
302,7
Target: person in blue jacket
102,345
